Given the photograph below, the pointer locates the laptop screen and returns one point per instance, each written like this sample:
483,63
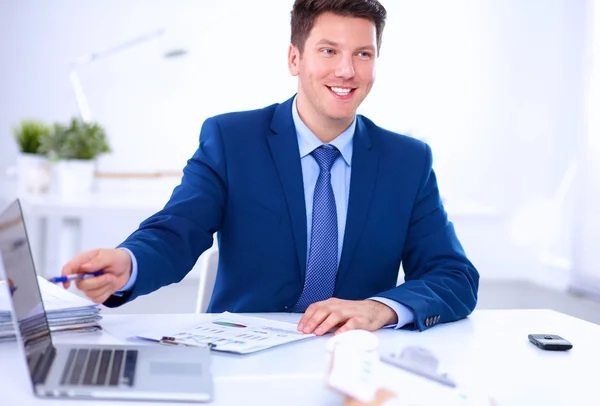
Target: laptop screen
19,275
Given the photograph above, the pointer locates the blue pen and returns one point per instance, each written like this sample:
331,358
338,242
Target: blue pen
75,276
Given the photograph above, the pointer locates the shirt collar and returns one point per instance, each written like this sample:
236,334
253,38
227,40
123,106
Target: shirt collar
308,141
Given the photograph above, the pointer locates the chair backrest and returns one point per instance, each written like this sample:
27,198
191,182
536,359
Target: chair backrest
208,262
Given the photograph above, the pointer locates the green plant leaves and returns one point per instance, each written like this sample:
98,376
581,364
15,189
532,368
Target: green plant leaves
28,135
77,140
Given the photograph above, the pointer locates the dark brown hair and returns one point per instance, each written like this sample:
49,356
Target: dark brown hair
305,12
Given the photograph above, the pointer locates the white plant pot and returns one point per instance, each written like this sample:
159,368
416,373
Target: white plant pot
74,178
34,174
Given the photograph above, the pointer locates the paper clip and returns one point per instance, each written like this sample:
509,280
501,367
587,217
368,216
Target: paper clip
170,341
173,341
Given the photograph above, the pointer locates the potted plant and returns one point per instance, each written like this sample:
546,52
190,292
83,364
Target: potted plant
33,168
74,147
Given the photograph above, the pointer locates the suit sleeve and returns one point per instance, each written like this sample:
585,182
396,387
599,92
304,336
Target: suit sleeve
168,244
440,282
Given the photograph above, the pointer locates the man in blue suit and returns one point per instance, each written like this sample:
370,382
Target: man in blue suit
315,207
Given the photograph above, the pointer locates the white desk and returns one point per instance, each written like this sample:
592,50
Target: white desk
488,350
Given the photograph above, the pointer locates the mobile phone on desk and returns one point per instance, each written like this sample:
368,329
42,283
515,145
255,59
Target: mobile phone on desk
550,342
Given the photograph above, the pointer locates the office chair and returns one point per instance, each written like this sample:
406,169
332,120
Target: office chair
208,263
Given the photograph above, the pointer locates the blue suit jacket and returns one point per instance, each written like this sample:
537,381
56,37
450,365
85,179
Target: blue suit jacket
245,182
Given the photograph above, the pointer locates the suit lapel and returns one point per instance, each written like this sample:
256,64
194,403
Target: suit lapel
362,184
286,155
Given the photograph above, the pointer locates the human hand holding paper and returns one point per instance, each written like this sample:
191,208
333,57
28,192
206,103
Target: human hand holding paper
357,372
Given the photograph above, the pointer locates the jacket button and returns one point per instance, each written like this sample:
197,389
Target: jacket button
427,320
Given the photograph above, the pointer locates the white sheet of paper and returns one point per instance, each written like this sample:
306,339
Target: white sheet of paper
55,298
231,333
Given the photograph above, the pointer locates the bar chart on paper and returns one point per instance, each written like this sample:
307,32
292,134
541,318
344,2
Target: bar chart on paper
230,332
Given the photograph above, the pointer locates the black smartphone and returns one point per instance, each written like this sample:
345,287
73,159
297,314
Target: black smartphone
550,342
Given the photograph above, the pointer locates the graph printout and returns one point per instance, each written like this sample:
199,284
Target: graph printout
230,332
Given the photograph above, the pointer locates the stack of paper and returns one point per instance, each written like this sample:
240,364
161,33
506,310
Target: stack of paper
66,311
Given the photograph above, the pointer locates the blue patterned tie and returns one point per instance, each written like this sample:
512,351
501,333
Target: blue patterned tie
322,259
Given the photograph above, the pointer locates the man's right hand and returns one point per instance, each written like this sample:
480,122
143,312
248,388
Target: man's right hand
115,263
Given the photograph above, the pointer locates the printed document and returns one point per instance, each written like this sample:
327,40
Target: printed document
230,332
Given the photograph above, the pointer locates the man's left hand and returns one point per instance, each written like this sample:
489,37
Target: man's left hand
368,315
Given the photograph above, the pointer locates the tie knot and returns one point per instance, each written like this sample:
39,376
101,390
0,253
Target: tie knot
325,156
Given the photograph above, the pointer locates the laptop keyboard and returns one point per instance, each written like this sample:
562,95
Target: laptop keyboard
100,367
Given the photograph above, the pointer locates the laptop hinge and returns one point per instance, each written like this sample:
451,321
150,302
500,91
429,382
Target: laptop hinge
43,366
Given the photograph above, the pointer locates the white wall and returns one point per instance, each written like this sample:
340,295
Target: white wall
153,108
495,86
586,231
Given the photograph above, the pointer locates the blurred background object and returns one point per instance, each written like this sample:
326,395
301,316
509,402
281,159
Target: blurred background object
82,102
33,169
73,149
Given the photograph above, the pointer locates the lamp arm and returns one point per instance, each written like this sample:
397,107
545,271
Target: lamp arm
118,48
84,108
82,103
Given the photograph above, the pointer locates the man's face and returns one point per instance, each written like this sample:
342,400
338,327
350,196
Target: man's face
336,70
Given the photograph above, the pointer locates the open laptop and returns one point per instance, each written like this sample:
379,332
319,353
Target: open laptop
143,372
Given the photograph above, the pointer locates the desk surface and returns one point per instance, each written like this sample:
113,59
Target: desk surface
489,350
